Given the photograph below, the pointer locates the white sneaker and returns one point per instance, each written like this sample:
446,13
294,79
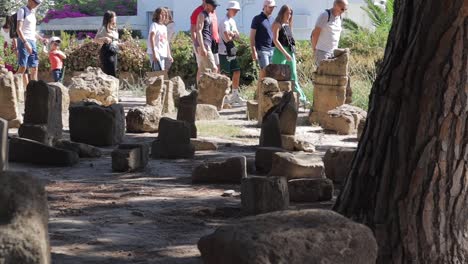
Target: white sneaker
236,99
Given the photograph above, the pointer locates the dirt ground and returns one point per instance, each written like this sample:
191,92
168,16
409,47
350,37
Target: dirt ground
154,216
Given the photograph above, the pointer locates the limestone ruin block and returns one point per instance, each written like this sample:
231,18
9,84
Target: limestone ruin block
213,88
155,92
169,106
338,65
269,95
130,157
207,112
330,79
337,163
9,107
173,141
19,85
291,143
94,84
187,111
65,101
279,72
285,86
293,237
261,195
143,119
204,144
252,110
296,166
179,89
24,217
344,119
310,190
232,170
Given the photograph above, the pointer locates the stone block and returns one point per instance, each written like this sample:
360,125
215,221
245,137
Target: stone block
261,195
338,65
297,165
24,217
207,112
29,151
294,237
155,92
3,145
213,88
285,86
187,111
252,110
179,89
37,133
19,86
143,119
288,119
264,158
270,135
310,190
9,108
83,150
291,143
65,101
97,125
231,170
337,162
169,106
94,84
203,144
332,80
130,157
344,119
173,140
327,97
279,72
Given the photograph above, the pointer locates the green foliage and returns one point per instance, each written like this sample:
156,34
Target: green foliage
381,17
185,64
249,69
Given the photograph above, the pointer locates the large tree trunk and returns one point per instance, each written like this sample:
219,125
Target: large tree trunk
409,178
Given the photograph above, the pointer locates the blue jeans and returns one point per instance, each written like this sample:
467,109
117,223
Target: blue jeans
57,75
24,58
264,57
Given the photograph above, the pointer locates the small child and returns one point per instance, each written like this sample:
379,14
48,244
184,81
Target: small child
56,57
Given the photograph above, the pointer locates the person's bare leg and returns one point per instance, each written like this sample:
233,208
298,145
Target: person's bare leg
33,74
235,80
22,70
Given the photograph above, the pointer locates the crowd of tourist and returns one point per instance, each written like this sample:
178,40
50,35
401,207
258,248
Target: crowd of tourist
214,41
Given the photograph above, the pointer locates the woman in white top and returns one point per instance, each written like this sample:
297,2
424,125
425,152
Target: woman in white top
158,45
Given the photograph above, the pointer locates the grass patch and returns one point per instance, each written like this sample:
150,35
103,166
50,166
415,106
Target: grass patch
211,129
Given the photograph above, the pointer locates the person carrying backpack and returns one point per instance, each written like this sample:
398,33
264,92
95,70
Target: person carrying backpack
326,34
27,35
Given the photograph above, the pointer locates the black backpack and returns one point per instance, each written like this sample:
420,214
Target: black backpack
13,22
329,14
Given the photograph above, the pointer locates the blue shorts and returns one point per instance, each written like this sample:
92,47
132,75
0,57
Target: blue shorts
264,57
24,58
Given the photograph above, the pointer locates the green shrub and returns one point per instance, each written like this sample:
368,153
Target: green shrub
185,64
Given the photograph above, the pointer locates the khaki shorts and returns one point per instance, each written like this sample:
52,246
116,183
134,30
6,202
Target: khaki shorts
207,63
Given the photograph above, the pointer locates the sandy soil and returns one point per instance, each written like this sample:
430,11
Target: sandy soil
154,216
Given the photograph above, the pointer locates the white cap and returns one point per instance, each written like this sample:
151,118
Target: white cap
269,3
233,5
54,39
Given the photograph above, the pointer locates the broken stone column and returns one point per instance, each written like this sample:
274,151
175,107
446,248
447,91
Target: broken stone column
310,190
155,92
173,141
65,101
30,151
187,111
179,89
3,145
24,217
269,95
130,157
97,125
143,119
169,106
232,170
309,236
213,88
261,195
9,107
296,166
43,113
94,84
330,85
252,110
344,119
337,162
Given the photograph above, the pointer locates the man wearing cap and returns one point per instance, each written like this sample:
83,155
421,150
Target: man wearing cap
27,49
261,36
227,50
204,38
327,31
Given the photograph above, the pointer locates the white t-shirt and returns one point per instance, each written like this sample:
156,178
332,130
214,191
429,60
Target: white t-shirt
330,33
160,39
226,24
29,22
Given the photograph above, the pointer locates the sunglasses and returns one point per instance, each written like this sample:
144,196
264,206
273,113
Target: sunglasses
344,9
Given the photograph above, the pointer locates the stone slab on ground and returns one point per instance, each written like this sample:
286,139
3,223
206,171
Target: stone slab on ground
204,144
207,112
143,119
130,157
297,165
338,162
94,84
97,125
187,111
231,170
264,158
293,237
24,217
344,119
3,145
29,151
83,150
310,190
291,143
173,141
261,195
279,72
212,89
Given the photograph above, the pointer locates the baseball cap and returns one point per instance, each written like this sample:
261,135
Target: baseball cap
212,2
38,2
233,5
269,3
55,39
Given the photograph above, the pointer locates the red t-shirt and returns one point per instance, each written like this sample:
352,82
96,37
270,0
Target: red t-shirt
56,61
214,21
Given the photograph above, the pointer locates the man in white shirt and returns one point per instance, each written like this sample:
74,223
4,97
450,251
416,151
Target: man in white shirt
227,51
27,35
326,34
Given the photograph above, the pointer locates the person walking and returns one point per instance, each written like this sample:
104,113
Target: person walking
227,50
193,34
205,38
261,37
108,36
27,49
326,34
285,46
158,44
56,57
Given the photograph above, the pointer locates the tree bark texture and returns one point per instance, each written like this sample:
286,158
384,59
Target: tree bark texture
409,178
